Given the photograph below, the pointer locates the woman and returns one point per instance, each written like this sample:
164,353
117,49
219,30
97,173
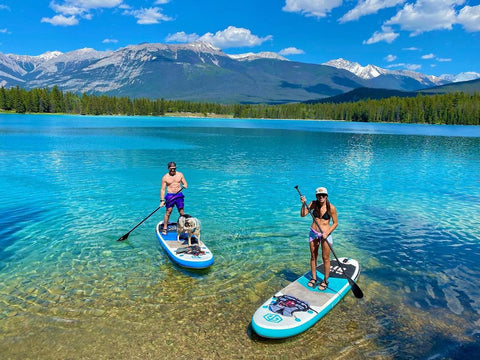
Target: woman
320,232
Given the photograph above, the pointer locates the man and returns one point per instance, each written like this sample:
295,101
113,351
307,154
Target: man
172,183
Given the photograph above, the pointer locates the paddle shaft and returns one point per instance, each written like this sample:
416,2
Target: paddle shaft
124,237
355,288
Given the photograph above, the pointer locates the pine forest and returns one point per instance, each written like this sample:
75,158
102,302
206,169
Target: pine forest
451,108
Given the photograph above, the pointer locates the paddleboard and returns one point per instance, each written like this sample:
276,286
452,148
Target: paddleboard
283,316
192,257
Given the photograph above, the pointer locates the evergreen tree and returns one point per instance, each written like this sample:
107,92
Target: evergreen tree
3,99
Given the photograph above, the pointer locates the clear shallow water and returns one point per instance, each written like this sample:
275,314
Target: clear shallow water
408,198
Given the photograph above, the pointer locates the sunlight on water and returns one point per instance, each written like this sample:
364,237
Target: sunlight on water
409,211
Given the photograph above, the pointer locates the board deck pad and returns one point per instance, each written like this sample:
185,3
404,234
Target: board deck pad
270,324
201,258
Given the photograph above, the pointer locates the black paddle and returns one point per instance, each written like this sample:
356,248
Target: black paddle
125,237
355,288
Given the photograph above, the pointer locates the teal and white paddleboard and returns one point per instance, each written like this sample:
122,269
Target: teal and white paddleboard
275,319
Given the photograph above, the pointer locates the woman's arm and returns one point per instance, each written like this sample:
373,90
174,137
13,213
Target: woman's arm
303,209
333,210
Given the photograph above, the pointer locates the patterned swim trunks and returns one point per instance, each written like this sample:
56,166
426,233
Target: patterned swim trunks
314,235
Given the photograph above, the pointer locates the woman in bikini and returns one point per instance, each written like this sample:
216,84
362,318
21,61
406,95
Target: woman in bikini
320,232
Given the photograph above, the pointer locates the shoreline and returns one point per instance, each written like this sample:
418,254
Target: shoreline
192,115
173,114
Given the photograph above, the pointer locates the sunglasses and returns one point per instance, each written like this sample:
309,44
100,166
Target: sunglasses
172,169
322,195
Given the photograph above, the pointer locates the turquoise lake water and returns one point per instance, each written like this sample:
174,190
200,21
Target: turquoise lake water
408,199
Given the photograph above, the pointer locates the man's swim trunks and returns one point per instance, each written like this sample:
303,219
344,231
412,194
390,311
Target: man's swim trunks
172,200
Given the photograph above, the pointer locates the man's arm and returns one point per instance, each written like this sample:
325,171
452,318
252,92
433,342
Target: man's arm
162,191
184,182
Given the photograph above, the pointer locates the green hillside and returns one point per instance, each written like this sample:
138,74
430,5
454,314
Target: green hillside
468,87
363,93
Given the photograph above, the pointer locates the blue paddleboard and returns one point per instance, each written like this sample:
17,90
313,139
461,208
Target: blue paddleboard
192,257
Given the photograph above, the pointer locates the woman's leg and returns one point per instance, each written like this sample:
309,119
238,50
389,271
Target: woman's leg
326,259
313,257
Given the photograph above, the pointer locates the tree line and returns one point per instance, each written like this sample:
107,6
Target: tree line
453,108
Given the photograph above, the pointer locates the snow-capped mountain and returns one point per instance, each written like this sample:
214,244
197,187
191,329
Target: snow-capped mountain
200,72
372,71
464,76
365,72
255,56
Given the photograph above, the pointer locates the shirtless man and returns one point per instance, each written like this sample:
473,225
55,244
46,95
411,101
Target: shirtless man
172,182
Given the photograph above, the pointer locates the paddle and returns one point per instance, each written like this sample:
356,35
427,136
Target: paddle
355,288
125,237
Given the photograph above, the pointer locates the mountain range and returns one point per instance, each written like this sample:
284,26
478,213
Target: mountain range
201,72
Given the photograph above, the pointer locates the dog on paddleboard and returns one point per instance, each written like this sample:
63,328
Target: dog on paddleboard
190,225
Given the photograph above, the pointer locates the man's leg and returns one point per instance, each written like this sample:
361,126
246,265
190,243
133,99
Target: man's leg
165,220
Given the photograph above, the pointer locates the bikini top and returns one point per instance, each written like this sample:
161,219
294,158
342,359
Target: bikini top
325,216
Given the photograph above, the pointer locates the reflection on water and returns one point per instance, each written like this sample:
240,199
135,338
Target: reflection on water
408,211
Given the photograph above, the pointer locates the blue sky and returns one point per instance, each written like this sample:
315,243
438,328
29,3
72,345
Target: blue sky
430,36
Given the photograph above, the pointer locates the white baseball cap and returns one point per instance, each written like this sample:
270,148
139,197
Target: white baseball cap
321,190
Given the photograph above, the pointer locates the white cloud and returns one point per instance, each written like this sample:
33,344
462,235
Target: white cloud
428,56
390,58
110,41
316,8
432,56
182,37
61,20
228,38
469,17
426,15
291,51
387,34
69,11
71,7
411,49
148,16
4,7
420,16
94,4
367,7
161,2
412,67
234,37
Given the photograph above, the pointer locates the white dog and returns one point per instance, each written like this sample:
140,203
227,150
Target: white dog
191,226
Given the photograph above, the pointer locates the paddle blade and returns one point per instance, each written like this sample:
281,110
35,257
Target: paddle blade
356,289
124,237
